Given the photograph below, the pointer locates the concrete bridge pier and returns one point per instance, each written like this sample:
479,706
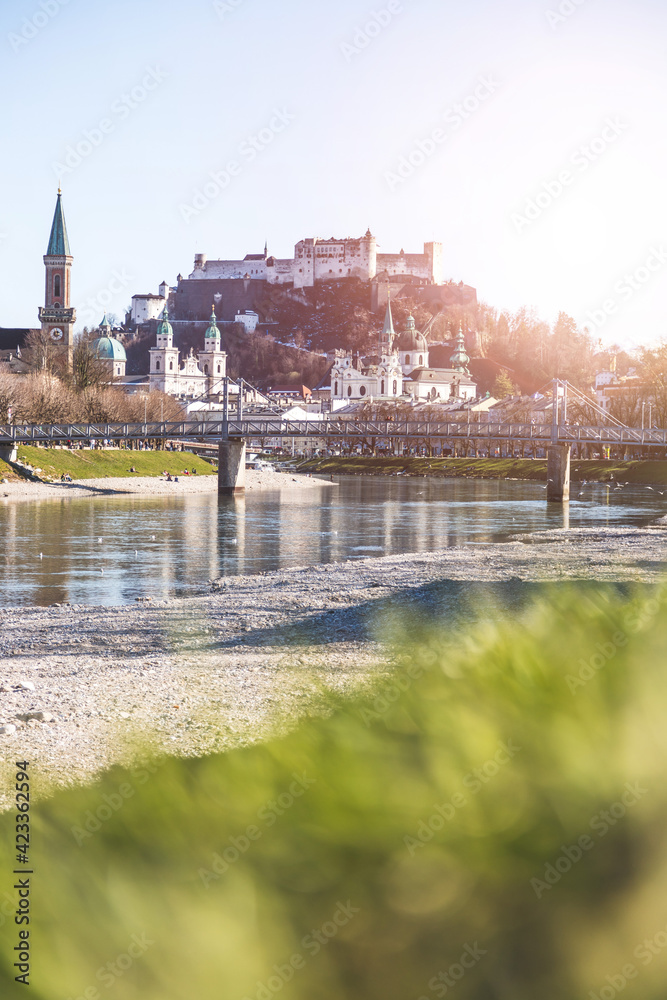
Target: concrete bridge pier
9,452
558,473
231,468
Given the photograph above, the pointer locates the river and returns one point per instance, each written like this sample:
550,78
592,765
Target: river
112,550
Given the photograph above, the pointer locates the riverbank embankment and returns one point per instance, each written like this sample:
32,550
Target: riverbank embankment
85,687
109,472
590,470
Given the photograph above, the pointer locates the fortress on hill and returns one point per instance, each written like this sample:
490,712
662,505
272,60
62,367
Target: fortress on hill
317,259
236,285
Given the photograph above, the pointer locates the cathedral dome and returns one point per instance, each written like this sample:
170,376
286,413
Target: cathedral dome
411,339
109,349
106,347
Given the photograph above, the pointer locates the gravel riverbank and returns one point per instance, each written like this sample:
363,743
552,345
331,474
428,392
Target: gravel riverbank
150,486
192,676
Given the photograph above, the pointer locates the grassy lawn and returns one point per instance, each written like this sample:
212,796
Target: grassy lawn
6,472
89,464
487,468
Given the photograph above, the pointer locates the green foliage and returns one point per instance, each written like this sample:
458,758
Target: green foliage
593,470
426,816
503,386
97,464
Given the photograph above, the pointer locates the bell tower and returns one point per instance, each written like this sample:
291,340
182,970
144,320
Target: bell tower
56,316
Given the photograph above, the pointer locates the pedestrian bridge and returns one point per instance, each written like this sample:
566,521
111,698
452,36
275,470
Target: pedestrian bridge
335,430
231,435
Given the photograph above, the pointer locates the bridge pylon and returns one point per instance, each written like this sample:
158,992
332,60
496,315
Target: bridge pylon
558,473
231,468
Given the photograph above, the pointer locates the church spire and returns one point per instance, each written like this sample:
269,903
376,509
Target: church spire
388,332
460,359
213,333
58,241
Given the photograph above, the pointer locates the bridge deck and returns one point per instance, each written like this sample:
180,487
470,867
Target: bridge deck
333,430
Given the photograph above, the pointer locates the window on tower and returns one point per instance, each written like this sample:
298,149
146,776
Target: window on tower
157,366
171,366
56,286
205,369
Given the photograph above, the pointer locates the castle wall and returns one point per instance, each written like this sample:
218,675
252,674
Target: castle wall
216,269
329,260
193,299
317,259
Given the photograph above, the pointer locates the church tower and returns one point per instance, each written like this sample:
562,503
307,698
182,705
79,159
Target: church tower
56,316
388,335
164,368
212,360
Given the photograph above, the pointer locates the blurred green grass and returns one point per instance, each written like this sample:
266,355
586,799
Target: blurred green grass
228,864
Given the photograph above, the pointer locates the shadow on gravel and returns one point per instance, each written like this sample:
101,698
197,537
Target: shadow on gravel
446,602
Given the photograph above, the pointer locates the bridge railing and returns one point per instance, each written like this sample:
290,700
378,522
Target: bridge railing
331,429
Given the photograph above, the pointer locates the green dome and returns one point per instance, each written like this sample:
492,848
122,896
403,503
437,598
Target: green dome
459,359
164,327
109,349
213,331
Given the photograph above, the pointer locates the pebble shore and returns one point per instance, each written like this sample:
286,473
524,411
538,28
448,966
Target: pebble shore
150,486
88,687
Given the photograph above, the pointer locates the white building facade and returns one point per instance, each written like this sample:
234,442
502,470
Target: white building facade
401,370
316,259
196,375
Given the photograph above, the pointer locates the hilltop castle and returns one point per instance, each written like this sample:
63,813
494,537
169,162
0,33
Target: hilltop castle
316,259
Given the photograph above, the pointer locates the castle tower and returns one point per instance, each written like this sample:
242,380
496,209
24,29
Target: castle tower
164,370
56,316
212,360
369,255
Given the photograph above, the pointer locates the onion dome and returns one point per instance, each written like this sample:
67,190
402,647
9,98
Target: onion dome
165,328
213,333
460,359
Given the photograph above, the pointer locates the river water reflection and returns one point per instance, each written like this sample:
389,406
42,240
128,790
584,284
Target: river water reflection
111,550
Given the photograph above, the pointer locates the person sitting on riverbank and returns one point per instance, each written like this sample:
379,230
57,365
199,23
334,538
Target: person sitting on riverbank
65,478
169,479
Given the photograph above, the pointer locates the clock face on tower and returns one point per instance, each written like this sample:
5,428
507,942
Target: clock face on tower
56,335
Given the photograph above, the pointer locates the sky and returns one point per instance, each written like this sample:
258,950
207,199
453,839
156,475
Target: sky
527,137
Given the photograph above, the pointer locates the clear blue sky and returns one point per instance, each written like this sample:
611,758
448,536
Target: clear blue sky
348,115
